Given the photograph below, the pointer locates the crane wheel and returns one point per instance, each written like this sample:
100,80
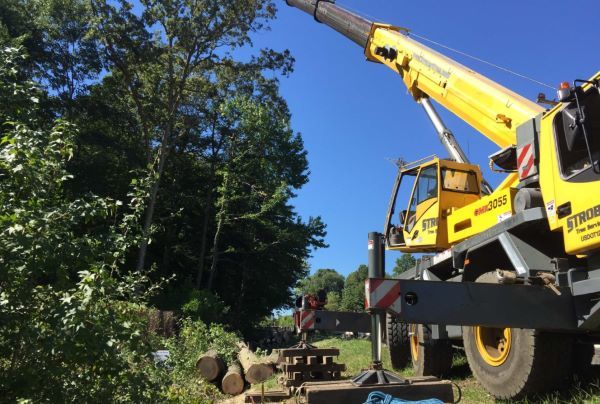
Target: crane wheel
429,357
513,362
397,341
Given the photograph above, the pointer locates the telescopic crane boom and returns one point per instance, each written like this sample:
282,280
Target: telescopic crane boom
490,108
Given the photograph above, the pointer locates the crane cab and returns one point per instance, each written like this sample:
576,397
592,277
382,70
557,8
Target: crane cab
434,187
569,166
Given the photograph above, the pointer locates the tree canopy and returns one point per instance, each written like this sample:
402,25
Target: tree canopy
155,87
353,297
403,263
328,280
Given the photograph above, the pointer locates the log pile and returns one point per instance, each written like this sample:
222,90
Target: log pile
233,377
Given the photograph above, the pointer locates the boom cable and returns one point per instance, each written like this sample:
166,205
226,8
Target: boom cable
496,66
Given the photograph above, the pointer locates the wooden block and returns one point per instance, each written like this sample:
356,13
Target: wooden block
327,359
312,360
298,359
304,367
325,376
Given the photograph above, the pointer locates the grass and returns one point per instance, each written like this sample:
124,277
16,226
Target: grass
356,354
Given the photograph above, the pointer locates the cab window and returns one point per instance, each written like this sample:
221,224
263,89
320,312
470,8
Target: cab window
459,181
573,150
425,189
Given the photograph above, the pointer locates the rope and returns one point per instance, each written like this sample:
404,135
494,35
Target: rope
377,397
482,60
504,69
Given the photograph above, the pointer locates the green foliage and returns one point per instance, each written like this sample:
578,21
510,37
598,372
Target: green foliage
353,296
17,94
334,301
206,306
218,133
199,148
68,333
404,263
327,279
174,100
193,340
284,321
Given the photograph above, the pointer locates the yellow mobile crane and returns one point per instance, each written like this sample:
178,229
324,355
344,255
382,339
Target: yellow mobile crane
516,270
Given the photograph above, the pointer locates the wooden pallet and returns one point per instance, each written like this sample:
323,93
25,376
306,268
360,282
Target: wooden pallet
301,365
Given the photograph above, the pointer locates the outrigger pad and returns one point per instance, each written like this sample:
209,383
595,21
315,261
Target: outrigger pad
375,377
413,389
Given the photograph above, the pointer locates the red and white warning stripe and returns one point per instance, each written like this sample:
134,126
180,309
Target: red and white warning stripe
383,294
305,319
525,161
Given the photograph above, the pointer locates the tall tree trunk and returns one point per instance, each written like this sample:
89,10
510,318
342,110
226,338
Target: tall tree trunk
166,259
215,253
216,146
204,239
162,158
220,221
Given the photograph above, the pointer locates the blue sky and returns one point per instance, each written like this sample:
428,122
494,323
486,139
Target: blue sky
355,116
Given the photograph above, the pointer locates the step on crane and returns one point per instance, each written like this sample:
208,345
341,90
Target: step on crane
513,273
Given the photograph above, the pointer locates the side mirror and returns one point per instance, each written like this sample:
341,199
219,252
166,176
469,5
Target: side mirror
402,217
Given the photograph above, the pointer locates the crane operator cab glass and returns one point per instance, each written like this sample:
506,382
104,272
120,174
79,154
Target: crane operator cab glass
432,189
570,180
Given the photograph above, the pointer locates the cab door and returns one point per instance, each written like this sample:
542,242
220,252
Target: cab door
570,170
422,215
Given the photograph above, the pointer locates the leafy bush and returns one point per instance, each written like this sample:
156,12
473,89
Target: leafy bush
206,306
67,334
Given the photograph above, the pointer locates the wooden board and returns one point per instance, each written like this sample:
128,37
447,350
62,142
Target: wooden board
290,352
270,396
346,392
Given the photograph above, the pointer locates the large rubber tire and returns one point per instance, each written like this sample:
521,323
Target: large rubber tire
397,341
535,362
429,357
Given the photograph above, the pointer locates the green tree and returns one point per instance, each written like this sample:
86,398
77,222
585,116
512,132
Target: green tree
334,301
172,99
404,263
72,329
353,297
327,279
163,55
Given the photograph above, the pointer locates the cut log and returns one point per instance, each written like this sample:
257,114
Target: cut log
256,369
210,366
233,381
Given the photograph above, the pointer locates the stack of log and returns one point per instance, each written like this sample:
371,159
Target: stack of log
232,378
